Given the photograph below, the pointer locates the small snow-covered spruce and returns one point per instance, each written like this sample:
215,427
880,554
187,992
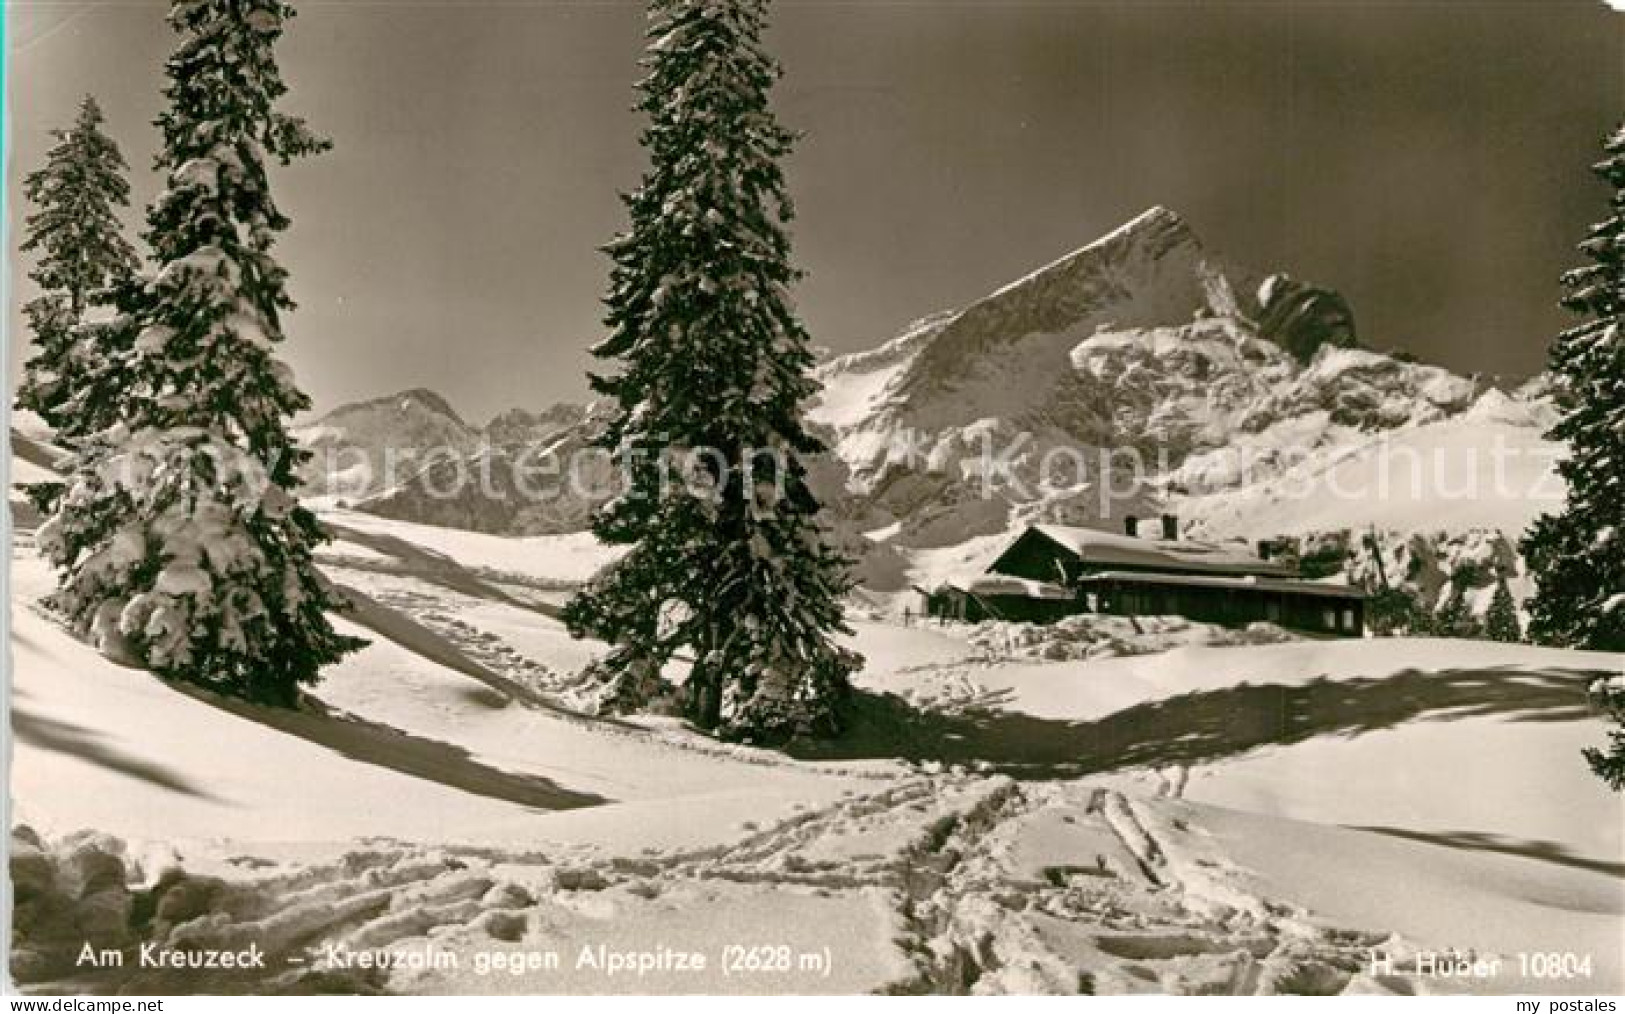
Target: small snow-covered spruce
81,255
1609,762
1455,618
1391,611
735,573
1395,612
178,539
1501,619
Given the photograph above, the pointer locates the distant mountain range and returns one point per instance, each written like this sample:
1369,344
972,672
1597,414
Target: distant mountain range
1142,340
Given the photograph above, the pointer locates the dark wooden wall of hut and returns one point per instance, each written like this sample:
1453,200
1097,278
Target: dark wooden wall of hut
954,604
1230,606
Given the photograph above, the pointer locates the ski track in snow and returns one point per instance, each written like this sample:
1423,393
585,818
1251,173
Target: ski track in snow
945,862
437,609
491,651
1118,917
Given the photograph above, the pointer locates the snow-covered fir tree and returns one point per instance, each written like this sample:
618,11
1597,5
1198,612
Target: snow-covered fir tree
1609,761
1577,557
1390,610
179,540
1395,612
728,562
81,255
1455,618
1501,619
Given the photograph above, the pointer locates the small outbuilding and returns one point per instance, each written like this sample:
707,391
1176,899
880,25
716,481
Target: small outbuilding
998,597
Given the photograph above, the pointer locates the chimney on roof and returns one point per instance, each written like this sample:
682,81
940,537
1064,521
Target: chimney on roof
1131,526
1170,527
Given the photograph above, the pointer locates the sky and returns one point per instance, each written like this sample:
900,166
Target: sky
1427,159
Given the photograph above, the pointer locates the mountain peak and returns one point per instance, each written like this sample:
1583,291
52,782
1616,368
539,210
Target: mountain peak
419,397
430,400
1155,219
1012,344
1147,237
519,425
1153,233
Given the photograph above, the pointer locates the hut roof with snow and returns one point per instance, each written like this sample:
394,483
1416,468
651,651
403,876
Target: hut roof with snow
1061,554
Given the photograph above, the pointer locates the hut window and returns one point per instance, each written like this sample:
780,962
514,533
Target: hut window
1348,620
1328,619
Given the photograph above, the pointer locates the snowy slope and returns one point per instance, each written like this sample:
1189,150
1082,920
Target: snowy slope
410,748
1488,468
33,460
188,768
558,559
1399,725
510,827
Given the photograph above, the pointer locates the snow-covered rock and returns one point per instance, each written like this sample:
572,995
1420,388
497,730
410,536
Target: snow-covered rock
1092,635
527,475
520,426
1140,373
1142,356
1302,318
67,895
360,448
411,456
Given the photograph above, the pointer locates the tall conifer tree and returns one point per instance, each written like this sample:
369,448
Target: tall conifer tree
179,539
1577,556
728,562
82,256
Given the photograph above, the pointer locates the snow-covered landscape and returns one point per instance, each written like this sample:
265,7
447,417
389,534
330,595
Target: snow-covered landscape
1111,804
1203,819
1148,622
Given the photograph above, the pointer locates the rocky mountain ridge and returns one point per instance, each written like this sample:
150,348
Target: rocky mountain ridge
1028,404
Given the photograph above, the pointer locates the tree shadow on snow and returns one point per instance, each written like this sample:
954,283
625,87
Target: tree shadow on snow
1477,841
395,626
382,745
93,747
348,735
1201,726
435,568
